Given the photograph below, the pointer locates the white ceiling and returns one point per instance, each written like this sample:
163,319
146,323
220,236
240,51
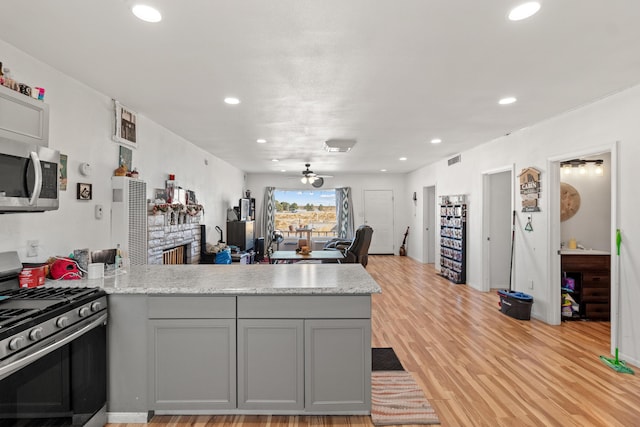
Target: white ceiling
392,74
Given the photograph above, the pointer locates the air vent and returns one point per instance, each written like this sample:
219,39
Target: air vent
454,160
339,145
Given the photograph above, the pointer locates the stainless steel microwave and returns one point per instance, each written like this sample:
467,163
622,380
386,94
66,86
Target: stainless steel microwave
28,177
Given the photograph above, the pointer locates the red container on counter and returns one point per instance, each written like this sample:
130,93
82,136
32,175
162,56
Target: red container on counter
30,277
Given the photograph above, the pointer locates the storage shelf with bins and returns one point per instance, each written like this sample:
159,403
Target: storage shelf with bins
453,225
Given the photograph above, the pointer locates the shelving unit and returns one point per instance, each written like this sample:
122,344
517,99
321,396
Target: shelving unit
592,285
453,227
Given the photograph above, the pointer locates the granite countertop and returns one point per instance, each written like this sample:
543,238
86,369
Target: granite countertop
254,279
583,252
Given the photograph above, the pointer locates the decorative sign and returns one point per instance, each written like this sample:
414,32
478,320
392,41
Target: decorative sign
530,189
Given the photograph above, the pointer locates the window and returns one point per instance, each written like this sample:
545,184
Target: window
315,209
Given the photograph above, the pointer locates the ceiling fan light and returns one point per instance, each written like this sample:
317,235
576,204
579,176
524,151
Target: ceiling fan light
311,179
304,180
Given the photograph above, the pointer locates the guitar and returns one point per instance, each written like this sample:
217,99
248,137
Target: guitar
402,251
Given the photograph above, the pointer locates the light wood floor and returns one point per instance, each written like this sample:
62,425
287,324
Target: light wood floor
477,366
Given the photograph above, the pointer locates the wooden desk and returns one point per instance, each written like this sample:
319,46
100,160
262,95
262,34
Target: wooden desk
293,256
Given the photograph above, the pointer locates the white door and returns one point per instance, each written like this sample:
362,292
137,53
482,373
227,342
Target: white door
429,224
500,229
378,214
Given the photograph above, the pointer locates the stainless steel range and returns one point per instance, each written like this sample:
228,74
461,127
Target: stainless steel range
52,352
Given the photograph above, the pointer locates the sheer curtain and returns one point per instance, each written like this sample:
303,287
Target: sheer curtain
344,213
268,216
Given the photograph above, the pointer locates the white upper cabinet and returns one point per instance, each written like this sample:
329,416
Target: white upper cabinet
23,118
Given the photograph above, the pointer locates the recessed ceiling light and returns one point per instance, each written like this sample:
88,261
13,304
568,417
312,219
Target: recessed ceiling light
146,13
283,170
402,158
436,141
231,100
524,11
508,100
275,160
383,170
261,141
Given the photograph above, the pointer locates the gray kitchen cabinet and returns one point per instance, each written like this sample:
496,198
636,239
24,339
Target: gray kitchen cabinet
127,355
270,364
337,365
337,348
192,353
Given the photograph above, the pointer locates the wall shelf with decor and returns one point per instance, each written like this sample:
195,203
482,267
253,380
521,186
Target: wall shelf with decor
453,227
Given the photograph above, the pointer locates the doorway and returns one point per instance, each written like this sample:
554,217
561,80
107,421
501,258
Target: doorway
378,214
429,225
497,228
605,201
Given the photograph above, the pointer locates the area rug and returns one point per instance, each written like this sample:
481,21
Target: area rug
397,399
385,359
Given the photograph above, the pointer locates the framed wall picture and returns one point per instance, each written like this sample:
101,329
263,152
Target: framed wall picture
85,191
126,125
125,158
63,172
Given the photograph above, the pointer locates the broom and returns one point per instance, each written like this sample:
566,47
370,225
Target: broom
615,363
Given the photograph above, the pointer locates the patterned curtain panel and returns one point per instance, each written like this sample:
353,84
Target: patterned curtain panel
268,215
344,213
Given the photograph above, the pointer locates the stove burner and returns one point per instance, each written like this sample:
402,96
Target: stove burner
48,293
8,316
48,309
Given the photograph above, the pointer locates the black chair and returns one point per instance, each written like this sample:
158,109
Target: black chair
356,250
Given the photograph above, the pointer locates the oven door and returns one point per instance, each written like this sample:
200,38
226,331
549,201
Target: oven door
28,177
66,383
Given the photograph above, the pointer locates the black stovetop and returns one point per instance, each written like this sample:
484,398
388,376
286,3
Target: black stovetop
20,308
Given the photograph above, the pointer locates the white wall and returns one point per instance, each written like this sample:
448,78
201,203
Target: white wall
358,183
81,121
593,128
590,226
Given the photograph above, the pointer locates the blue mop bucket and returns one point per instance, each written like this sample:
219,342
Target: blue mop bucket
515,304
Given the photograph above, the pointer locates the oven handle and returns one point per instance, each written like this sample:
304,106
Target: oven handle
36,353
37,185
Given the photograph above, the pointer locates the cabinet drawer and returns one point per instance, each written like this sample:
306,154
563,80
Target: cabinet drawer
597,311
595,278
595,295
585,262
188,307
304,307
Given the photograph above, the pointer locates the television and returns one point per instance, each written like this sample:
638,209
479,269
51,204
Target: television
245,206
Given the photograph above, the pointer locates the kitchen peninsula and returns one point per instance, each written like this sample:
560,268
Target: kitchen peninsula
269,339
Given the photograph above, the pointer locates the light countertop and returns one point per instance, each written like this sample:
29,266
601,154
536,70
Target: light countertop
254,279
583,252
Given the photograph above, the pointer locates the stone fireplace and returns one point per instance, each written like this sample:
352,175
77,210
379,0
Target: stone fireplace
164,237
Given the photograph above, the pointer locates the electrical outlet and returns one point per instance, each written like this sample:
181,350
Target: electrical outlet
32,248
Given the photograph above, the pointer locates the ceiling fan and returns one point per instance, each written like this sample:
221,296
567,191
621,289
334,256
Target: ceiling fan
310,177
